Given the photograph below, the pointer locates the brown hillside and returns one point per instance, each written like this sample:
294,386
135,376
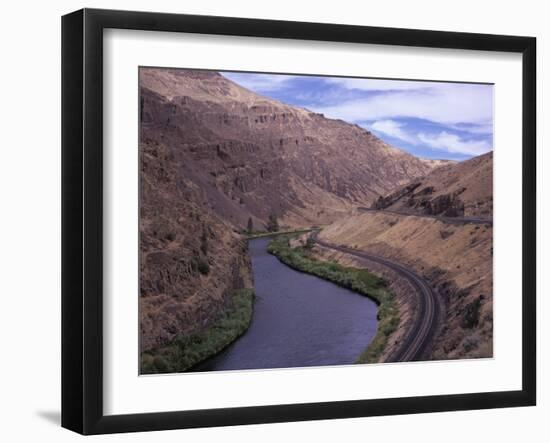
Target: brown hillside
459,189
191,262
252,156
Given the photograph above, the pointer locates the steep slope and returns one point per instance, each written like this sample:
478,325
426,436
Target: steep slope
252,156
191,262
460,189
457,259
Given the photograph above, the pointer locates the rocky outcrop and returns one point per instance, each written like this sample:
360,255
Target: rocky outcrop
384,202
448,205
451,190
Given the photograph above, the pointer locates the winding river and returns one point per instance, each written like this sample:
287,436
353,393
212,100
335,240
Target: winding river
299,320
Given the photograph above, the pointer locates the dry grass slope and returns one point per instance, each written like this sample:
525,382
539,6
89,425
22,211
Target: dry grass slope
456,259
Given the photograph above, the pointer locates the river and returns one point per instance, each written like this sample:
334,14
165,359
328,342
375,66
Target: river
299,320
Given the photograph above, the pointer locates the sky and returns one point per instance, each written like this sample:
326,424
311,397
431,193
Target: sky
436,120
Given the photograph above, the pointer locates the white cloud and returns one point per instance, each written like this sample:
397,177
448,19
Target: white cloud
394,129
448,103
445,103
259,82
442,141
453,143
457,106
483,128
373,84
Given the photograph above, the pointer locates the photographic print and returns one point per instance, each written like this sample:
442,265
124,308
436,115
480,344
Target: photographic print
291,220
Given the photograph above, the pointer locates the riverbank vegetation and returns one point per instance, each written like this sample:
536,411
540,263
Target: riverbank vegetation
187,351
355,279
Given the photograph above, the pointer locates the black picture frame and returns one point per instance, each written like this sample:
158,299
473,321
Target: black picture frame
82,218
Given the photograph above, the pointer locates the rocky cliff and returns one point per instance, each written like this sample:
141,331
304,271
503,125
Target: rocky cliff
252,156
453,189
191,261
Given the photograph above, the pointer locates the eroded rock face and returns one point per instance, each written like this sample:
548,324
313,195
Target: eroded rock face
191,262
448,205
384,202
254,156
452,190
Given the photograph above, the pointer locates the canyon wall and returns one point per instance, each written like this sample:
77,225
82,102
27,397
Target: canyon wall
253,156
452,189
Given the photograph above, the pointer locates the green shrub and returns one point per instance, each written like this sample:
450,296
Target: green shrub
204,241
470,318
160,364
187,351
147,366
203,266
470,343
272,223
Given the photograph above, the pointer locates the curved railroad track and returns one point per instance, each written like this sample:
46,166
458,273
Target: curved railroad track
462,220
422,331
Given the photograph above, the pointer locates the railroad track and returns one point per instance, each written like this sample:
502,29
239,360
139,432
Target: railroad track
464,220
421,333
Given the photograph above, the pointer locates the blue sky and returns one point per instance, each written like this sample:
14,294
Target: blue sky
428,119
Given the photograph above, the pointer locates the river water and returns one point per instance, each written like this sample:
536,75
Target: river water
299,320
